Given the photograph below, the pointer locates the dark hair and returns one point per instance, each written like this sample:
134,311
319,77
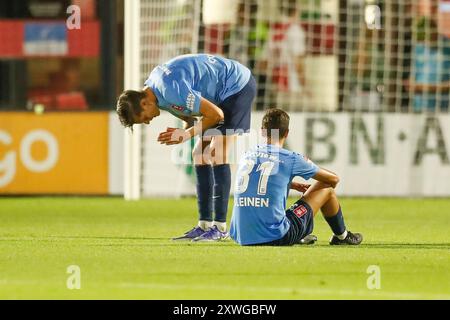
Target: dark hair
129,106
276,119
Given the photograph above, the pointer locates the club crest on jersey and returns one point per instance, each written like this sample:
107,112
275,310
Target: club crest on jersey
178,108
300,211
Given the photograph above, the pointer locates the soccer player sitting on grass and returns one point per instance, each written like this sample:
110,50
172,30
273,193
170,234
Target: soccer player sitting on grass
264,178
220,92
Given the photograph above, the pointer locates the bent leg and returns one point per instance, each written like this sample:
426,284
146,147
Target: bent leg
220,149
322,197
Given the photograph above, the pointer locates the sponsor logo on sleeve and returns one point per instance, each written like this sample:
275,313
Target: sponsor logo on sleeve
190,102
178,108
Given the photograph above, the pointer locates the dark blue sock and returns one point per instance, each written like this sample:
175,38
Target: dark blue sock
205,182
222,186
337,223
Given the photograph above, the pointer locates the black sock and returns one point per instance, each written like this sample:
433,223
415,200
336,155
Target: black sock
337,223
205,182
222,187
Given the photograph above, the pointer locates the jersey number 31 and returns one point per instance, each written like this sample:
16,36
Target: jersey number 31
243,180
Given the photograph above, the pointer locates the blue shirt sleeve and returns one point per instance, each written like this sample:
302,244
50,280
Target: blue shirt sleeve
303,167
180,94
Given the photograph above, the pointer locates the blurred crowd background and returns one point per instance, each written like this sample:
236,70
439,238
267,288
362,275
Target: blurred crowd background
308,55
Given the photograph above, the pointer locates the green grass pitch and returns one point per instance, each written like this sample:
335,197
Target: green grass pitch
124,252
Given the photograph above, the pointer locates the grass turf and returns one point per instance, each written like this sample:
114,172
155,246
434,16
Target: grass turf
124,252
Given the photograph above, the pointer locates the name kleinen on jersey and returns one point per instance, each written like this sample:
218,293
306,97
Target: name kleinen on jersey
252,202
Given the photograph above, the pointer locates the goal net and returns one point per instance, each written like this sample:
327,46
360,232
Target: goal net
308,56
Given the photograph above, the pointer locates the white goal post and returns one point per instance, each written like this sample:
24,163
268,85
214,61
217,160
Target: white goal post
133,141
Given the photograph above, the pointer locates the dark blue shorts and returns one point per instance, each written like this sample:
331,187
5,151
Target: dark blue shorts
238,111
301,217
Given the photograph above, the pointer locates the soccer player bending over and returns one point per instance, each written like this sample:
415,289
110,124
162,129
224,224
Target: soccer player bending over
221,93
264,178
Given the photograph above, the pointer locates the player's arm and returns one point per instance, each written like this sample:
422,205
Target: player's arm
300,187
211,116
327,177
188,121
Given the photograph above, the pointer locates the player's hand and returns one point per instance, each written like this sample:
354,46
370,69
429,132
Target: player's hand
300,187
173,136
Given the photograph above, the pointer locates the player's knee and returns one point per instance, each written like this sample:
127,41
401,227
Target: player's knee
336,181
197,157
219,156
331,192
219,159
195,151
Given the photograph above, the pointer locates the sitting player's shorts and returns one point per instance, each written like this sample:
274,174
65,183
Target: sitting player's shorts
301,217
237,110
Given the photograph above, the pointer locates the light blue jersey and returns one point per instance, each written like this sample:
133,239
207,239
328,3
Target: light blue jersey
262,186
180,83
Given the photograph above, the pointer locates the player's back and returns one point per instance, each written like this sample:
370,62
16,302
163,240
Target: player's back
263,178
262,185
215,78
